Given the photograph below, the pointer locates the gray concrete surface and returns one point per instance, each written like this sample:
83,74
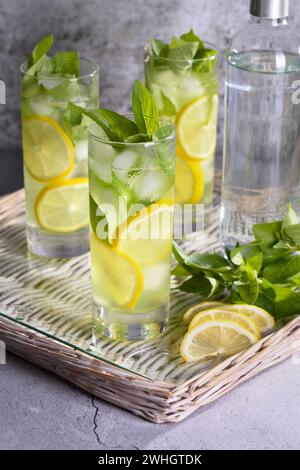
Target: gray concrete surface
40,411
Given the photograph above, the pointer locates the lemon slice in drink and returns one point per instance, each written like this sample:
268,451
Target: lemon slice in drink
223,314
189,181
215,338
48,151
196,135
62,207
261,317
147,236
202,306
115,275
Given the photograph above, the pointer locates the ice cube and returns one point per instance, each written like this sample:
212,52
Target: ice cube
150,185
101,158
43,106
156,276
102,169
166,77
81,150
50,83
123,163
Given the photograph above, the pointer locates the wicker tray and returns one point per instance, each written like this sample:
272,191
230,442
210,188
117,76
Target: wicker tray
45,317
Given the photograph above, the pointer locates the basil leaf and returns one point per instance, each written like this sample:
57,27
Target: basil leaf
73,114
40,50
179,271
181,54
117,127
268,234
66,63
195,285
190,36
159,48
255,262
169,108
283,269
204,60
137,138
293,234
290,218
144,109
286,300
208,261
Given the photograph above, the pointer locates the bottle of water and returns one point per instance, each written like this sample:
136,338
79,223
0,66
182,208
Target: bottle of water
261,170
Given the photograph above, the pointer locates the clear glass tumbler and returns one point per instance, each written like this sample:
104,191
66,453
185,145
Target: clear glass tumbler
56,160
190,99
131,218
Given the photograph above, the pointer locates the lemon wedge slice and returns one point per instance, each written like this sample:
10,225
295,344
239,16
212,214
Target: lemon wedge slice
63,207
117,278
48,151
223,314
261,317
202,306
147,236
196,128
215,338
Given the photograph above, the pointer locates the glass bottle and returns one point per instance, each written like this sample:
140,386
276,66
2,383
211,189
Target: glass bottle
262,122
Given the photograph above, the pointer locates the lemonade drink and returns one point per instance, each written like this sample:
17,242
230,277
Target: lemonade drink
55,153
182,78
131,218
131,185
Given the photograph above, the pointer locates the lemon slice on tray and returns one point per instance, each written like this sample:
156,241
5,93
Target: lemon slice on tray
118,275
223,314
48,151
63,207
215,338
264,320
202,306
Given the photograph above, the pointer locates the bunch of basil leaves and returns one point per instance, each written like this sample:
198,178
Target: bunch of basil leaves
266,272
184,53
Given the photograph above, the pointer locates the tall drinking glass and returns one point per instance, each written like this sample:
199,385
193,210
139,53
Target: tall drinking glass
56,160
131,189
189,97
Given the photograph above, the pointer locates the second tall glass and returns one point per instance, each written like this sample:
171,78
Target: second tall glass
190,99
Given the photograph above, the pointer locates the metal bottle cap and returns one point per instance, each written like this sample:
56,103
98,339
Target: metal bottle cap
269,8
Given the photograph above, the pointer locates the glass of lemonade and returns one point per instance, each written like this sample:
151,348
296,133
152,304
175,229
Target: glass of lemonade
186,91
131,219
56,159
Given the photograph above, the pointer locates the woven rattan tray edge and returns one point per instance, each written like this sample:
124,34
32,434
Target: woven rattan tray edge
155,401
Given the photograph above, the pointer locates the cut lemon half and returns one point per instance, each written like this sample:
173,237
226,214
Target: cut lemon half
202,306
195,131
147,236
117,278
189,181
48,151
63,207
261,317
215,338
223,314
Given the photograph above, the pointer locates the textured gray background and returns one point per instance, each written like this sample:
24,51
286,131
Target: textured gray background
112,32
